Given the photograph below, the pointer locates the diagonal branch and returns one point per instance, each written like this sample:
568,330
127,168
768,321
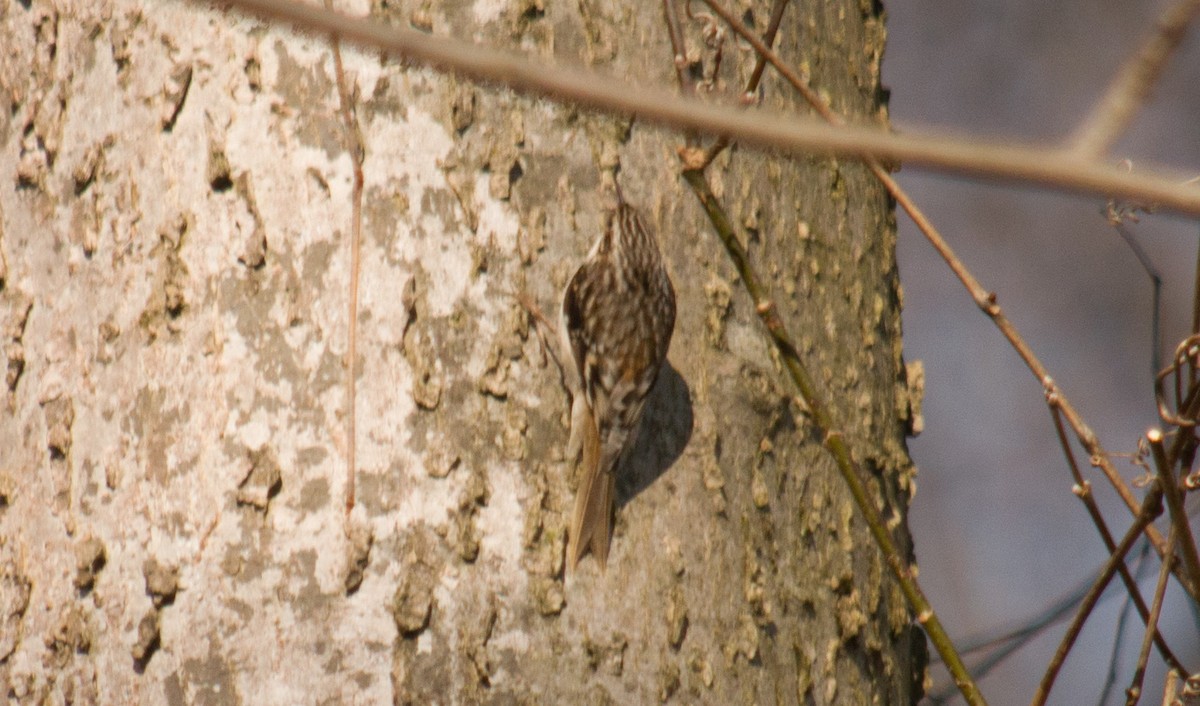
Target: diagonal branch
1134,692
1151,509
1133,82
833,438
1030,164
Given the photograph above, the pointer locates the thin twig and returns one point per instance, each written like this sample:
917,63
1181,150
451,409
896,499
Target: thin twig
985,300
1181,454
1004,645
683,73
768,40
1156,296
1179,519
687,86
357,153
1134,693
1118,643
833,438
1029,164
1132,84
1151,508
1186,403
547,333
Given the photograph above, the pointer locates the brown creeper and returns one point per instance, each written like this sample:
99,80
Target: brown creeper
618,314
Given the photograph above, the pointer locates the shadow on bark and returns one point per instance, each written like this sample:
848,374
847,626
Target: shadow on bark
664,434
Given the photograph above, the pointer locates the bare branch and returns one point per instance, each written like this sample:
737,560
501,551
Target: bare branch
1134,693
1133,81
1044,166
834,440
768,40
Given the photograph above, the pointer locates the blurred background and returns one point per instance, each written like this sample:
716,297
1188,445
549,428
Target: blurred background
999,535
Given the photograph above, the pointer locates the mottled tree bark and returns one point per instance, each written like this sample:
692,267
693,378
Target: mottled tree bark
175,232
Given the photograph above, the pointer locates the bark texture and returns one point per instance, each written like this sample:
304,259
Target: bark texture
174,268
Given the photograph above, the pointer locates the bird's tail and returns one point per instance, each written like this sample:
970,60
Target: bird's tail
591,526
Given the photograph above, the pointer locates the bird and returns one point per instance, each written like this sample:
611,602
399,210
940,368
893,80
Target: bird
618,315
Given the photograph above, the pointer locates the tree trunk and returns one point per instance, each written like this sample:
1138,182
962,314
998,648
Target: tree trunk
174,275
